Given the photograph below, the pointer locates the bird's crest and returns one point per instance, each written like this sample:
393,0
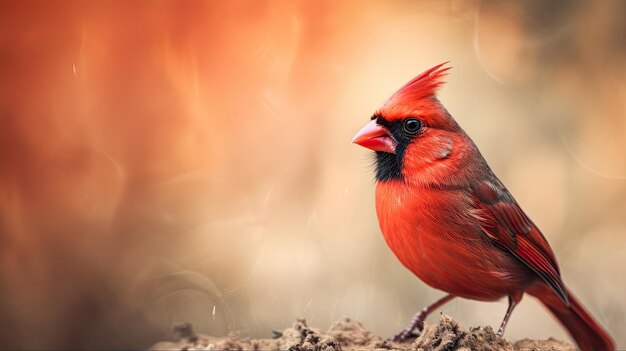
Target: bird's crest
421,87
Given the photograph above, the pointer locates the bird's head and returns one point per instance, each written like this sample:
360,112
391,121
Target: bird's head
412,130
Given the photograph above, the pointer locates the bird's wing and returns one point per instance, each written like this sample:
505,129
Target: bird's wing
508,226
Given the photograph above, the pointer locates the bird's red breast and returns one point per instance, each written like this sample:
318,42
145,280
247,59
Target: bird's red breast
436,235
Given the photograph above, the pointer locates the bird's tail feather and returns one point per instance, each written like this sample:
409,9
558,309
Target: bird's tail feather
589,335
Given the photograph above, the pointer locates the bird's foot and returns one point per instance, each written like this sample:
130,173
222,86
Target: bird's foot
407,333
404,336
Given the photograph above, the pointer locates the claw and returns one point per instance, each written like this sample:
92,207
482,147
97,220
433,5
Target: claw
417,322
404,336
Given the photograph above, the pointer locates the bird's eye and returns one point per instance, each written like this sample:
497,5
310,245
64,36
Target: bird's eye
412,125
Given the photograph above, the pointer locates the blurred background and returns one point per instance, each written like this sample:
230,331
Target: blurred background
167,161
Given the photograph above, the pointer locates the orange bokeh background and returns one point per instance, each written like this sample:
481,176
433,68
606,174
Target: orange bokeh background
163,161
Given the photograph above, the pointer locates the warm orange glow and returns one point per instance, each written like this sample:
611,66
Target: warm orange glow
164,161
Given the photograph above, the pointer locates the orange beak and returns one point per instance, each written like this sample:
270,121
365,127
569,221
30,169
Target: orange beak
375,137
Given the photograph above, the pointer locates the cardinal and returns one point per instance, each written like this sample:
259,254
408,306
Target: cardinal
452,222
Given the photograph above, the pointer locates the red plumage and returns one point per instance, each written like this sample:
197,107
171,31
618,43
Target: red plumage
451,222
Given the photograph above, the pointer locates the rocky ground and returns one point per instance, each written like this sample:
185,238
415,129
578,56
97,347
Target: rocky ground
348,334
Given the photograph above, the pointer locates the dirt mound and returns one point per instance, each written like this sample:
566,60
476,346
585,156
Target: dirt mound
449,335
348,334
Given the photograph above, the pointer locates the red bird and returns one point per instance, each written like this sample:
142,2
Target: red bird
450,220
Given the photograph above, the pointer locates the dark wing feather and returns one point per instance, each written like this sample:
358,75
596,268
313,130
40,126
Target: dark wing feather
510,228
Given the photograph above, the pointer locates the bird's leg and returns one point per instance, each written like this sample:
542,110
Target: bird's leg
417,322
513,301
